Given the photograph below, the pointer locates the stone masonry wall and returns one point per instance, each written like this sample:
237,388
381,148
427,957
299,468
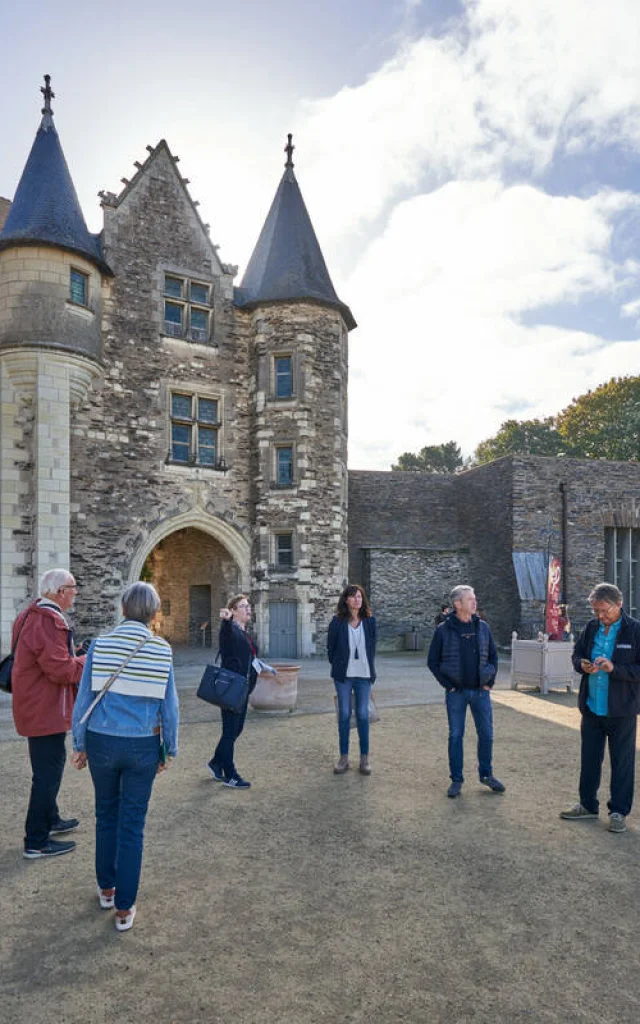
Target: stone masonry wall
123,487
484,499
599,494
407,589
313,423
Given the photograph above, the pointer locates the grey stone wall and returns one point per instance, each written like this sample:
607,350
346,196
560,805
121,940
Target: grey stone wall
407,589
484,497
313,423
122,486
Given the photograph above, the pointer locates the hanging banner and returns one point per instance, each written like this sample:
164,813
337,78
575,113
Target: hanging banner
555,621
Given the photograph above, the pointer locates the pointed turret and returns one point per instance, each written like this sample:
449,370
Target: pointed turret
46,210
287,264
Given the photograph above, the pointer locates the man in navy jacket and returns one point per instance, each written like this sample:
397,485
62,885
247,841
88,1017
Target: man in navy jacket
464,660
607,654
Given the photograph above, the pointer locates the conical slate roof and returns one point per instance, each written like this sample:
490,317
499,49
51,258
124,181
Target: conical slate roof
46,209
287,263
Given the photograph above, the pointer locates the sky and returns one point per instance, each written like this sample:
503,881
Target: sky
471,168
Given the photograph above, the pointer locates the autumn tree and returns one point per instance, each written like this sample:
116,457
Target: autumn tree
604,423
434,458
522,437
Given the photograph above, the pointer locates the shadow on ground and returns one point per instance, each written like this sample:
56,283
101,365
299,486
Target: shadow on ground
315,898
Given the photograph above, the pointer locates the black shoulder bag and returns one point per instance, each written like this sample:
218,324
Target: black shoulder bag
6,665
224,688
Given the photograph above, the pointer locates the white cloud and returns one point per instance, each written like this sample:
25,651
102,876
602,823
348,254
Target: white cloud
439,254
441,347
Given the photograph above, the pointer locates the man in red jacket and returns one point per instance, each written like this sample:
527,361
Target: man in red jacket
45,678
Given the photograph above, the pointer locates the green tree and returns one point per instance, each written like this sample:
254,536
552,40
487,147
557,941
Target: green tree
605,423
433,458
523,437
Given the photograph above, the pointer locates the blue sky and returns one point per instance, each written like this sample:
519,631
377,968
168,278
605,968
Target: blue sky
471,168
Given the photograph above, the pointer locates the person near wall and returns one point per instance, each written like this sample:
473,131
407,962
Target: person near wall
607,655
45,678
351,646
464,660
237,653
127,740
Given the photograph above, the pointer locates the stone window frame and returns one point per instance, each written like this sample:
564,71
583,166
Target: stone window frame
276,447
85,280
284,353
195,393
276,565
622,563
184,331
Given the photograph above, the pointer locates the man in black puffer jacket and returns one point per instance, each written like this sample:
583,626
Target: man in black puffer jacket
607,654
464,660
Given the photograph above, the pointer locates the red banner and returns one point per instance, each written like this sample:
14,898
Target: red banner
555,620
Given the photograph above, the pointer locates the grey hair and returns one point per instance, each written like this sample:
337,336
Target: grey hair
140,602
458,592
606,592
52,580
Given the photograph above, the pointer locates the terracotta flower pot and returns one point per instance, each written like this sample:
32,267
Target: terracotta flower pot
276,693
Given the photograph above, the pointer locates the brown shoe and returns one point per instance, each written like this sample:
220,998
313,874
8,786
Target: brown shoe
365,766
341,766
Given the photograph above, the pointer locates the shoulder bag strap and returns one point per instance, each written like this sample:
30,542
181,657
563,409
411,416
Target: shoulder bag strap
22,624
111,680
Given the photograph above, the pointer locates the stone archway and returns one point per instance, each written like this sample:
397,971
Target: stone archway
196,562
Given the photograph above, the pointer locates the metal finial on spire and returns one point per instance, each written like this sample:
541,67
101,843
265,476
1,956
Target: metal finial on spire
47,112
289,148
48,94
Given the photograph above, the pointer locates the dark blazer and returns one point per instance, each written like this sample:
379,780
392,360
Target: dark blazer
237,650
338,646
624,681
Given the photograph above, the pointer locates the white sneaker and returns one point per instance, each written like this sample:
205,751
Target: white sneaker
106,902
123,924
617,822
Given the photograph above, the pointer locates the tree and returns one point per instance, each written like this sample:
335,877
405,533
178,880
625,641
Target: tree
523,437
434,458
605,423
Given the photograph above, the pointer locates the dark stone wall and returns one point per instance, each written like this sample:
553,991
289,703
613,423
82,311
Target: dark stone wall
599,494
485,506
122,487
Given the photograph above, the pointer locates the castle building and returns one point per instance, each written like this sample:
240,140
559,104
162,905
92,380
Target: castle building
160,423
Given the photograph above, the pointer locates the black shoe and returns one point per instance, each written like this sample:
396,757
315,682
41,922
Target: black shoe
215,771
493,783
64,825
454,789
52,849
236,782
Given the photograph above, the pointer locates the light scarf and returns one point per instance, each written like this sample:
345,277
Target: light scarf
147,673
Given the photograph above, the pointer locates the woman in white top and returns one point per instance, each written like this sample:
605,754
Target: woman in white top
351,646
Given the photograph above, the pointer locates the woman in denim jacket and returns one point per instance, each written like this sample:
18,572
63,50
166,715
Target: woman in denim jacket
126,741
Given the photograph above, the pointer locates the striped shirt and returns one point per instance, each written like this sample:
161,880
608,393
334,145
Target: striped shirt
147,673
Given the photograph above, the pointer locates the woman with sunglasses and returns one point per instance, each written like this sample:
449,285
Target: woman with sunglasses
237,653
351,646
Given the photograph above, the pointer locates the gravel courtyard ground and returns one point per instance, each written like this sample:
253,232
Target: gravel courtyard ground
314,898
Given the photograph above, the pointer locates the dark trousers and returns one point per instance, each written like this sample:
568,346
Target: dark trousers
621,733
47,754
232,726
479,700
123,769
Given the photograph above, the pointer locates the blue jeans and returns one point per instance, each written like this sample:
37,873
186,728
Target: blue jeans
362,691
47,756
123,769
595,730
232,726
479,700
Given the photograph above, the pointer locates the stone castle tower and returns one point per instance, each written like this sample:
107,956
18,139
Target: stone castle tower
157,421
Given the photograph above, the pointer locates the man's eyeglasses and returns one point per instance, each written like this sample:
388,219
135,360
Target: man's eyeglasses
68,586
